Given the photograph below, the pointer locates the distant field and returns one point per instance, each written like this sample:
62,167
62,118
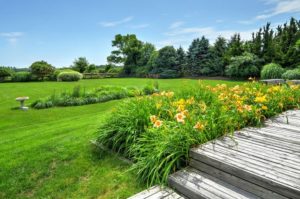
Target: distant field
46,153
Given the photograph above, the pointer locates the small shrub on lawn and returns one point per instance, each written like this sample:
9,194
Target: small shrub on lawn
80,97
69,76
157,131
58,71
292,74
271,71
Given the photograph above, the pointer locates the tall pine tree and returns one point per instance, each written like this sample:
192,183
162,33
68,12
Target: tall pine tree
199,57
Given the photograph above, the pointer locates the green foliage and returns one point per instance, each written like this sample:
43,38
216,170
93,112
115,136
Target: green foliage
166,74
244,66
90,68
152,61
128,51
81,64
271,71
146,52
285,40
198,57
80,96
22,77
150,89
58,71
69,76
41,69
292,74
166,58
180,61
298,45
218,54
142,71
117,70
235,47
149,130
5,72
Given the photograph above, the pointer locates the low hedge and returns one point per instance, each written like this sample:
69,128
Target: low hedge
292,74
69,76
22,77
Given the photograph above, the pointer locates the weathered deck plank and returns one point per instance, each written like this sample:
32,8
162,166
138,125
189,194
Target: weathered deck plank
157,192
267,156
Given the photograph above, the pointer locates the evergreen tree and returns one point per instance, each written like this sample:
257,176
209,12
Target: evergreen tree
199,57
268,50
285,41
166,58
180,62
218,52
235,47
256,44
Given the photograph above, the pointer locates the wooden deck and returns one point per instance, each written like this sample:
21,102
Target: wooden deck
253,163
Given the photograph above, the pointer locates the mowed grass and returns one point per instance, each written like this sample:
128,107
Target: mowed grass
47,154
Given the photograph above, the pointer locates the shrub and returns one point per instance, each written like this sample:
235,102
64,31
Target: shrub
271,71
69,76
22,77
244,66
41,69
58,71
5,72
150,89
292,74
169,74
157,131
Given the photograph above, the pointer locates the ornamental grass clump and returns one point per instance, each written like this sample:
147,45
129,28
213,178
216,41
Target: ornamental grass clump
156,132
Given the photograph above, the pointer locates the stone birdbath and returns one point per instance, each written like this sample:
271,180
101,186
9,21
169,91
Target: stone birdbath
22,102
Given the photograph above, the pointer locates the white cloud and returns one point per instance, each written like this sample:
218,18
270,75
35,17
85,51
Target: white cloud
280,7
115,23
246,22
11,37
176,24
139,26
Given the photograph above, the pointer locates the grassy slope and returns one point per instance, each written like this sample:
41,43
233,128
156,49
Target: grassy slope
46,153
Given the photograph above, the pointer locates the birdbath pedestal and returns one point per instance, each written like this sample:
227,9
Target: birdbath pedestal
22,101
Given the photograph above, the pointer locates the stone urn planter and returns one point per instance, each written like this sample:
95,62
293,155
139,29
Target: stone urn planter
22,102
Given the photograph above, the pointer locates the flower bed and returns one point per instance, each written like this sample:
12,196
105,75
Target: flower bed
157,131
80,97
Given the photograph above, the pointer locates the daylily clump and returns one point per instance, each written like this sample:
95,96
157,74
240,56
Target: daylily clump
157,131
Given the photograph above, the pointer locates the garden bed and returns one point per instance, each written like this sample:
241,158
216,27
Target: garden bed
157,131
80,96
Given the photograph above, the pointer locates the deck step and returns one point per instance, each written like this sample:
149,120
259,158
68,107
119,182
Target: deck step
235,181
263,162
157,192
195,184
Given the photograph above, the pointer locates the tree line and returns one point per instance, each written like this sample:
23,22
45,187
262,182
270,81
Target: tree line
234,57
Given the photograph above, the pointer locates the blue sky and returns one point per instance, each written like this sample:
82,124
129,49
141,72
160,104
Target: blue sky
58,31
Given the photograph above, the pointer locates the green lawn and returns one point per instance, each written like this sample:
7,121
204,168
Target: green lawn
46,153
